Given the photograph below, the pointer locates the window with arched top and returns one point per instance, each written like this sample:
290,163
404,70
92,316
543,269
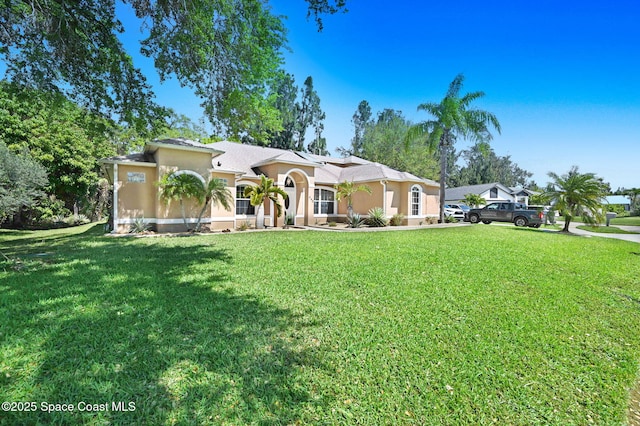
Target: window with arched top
415,200
288,183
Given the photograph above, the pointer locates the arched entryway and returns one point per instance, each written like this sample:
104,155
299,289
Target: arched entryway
291,202
296,185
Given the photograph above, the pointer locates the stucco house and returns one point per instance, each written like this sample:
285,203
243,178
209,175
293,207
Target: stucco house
307,179
491,192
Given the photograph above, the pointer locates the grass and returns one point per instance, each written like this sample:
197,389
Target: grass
472,325
604,229
628,221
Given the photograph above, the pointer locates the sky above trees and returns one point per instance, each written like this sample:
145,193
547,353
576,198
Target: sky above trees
562,78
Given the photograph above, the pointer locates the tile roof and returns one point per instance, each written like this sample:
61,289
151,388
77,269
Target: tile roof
459,192
131,158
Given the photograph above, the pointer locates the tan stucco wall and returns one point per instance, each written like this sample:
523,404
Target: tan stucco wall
174,159
136,200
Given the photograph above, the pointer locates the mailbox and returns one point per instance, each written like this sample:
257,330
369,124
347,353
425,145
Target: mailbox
610,215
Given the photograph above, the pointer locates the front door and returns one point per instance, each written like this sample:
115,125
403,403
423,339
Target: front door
290,202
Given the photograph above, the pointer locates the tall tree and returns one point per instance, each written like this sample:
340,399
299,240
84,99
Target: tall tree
284,92
309,112
385,141
225,50
577,194
361,119
452,118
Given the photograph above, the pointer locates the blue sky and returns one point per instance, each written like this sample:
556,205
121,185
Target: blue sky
563,78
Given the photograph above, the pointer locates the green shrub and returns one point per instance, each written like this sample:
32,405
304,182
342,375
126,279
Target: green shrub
450,219
289,220
377,218
333,224
397,219
244,226
355,221
139,226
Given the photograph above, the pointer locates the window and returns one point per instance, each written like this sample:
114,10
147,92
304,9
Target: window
323,201
415,201
243,205
136,177
493,193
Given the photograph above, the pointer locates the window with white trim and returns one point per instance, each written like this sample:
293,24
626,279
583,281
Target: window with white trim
415,200
243,204
323,201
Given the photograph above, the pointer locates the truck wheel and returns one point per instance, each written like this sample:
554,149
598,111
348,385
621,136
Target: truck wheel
520,221
474,218
486,222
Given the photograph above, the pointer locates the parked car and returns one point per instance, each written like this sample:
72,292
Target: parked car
453,212
465,208
516,213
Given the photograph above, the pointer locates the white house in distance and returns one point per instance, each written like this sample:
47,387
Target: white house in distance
491,192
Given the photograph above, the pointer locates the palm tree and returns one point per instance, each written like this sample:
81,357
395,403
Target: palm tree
346,190
453,118
474,200
214,192
180,186
577,194
265,191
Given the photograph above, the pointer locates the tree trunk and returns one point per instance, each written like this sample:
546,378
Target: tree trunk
184,215
206,203
443,178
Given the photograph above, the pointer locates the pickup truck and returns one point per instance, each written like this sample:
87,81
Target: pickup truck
516,213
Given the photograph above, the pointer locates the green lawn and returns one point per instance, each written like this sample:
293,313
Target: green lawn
604,229
629,221
470,325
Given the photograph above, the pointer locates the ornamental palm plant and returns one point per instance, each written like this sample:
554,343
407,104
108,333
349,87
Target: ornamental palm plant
453,118
265,191
346,190
180,186
577,194
215,192
474,200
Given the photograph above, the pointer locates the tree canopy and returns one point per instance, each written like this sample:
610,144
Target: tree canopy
66,139
225,50
482,165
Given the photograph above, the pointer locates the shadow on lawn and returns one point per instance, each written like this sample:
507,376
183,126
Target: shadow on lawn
155,325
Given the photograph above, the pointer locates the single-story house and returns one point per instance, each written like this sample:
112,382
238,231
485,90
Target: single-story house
307,179
491,192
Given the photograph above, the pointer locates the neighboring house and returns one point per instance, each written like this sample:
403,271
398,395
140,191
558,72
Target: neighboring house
621,200
491,192
307,179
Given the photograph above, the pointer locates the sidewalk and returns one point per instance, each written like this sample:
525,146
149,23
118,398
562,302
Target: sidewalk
635,238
